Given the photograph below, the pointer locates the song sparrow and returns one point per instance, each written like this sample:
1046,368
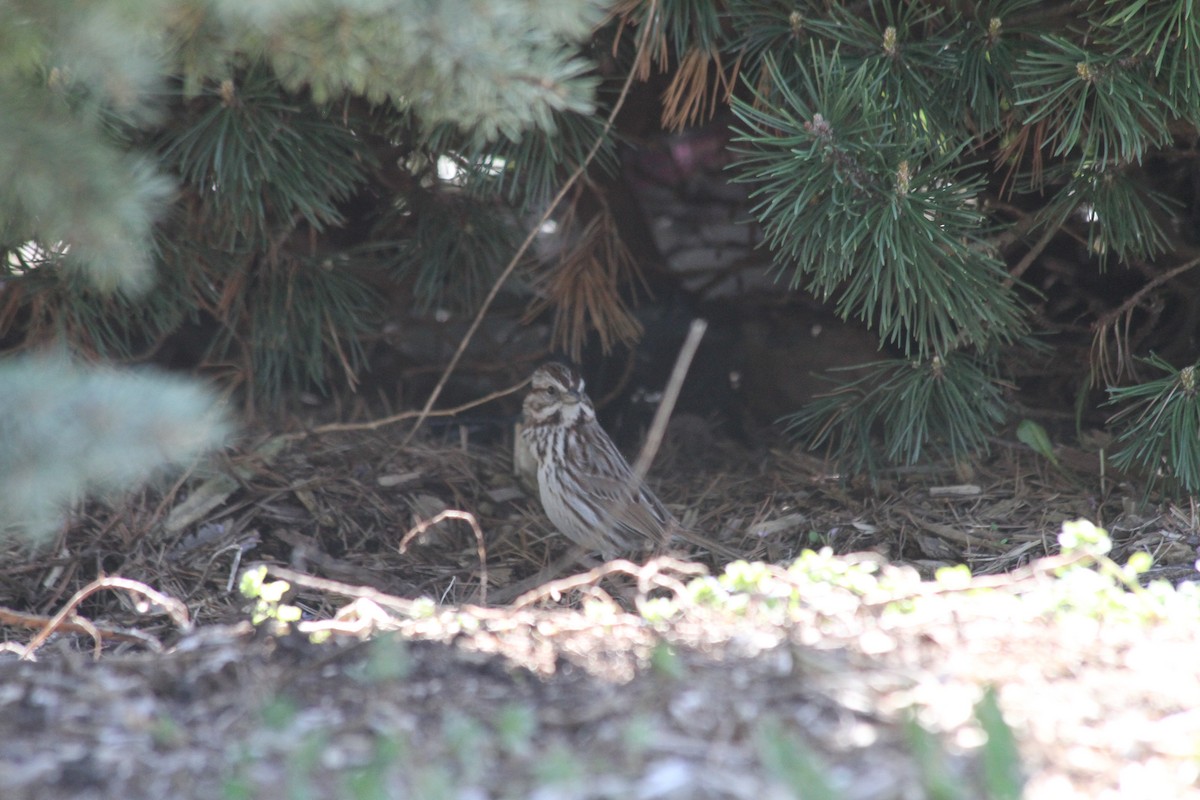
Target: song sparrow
587,487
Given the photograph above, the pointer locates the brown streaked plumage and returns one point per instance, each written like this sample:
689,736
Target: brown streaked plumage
587,488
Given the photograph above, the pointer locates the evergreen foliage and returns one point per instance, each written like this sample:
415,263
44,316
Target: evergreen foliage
897,155
167,162
266,165
909,404
884,219
269,119
67,431
874,141
1160,435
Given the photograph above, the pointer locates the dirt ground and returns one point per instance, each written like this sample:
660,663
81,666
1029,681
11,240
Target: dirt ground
588,689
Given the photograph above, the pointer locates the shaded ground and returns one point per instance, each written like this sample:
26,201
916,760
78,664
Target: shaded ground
584,698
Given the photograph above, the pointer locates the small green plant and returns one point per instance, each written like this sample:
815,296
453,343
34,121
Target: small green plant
937,775
1087,581
516,725
237,787
466,738
793,763
388,659
560,766
370,781
658,610
1034,436
167,732
639,735
279,713
665,662
268,598
814,578
303,763
434,782
1093,584
1081,536
1001,761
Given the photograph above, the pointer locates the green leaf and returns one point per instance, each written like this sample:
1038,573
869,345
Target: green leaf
273,591
1034,435
932,760
252,581
1001,757
1082,535
792,762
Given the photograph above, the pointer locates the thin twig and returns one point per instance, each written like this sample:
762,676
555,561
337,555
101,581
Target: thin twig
1122,362
379,423
576,554
1015,580
172,607
1137,296
401,604
658,426
1027,260
481,550
534,230
651,575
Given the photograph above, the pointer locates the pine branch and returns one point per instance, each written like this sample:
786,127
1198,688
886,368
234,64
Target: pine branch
1162,437
949,405
482,67
852,202
584,284
1103,104
448,244
67,432
255,158
66,187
